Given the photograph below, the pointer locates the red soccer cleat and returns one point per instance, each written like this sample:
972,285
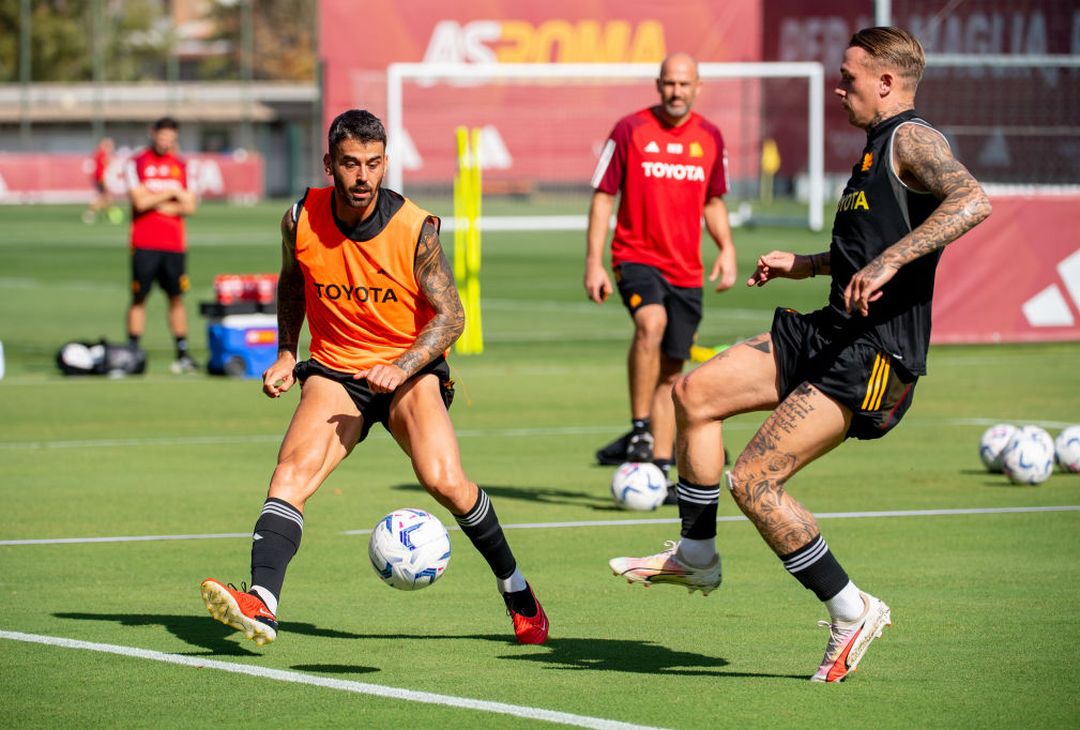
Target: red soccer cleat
528,629
242,611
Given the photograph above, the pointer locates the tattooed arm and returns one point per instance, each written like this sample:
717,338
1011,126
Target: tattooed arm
924,162
436,280
278,378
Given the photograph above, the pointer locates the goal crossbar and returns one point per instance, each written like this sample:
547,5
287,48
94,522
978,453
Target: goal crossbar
398,73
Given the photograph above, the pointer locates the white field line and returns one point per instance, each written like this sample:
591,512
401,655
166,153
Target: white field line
276,438
462,433
577,524
341,685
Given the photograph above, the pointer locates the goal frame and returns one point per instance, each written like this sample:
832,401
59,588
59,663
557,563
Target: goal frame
398,73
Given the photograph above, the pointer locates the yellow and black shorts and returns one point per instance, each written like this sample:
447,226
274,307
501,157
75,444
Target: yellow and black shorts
813,348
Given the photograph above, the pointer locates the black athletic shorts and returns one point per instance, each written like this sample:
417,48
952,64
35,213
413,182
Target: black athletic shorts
815,348
167,268
375,407
640,285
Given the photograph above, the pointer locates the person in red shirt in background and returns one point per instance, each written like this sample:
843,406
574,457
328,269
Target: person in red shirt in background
160,200
102,200
669,166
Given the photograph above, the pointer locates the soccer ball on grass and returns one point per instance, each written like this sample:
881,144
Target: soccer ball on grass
639,486
409,549
993,443
1067,449
1029,456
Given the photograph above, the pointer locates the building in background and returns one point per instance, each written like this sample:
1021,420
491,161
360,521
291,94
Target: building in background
242,82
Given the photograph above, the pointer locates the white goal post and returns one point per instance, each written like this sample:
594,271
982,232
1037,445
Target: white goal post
398,73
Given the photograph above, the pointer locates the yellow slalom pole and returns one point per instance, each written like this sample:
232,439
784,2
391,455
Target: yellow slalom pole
472,251
460,196
467,238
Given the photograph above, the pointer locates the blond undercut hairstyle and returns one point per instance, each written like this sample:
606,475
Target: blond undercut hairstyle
893,47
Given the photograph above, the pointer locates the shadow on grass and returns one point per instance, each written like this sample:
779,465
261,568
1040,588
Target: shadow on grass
541,495
333,669
202,631
570,654
604,655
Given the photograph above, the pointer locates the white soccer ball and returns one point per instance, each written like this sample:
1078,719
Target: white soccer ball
993,443
409,549
639,486
1028,457
1067,449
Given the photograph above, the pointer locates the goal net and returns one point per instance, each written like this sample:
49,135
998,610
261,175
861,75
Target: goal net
543,126
1014,120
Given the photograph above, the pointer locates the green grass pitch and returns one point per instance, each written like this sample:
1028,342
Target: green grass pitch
985,604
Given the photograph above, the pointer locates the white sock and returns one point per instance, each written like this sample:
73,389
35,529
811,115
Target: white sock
267,598
513,584
696,553
847,605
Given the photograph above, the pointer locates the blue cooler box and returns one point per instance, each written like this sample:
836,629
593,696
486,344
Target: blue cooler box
242,345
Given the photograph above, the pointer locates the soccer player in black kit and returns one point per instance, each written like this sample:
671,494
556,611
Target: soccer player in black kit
846,370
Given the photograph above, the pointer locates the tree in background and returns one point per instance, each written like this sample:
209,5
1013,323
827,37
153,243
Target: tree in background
139,39
283,37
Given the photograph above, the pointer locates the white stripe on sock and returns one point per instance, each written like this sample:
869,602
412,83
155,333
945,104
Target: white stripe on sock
804,560
698,496
273,508
483,506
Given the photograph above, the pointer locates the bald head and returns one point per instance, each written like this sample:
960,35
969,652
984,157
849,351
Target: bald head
679,63
678,86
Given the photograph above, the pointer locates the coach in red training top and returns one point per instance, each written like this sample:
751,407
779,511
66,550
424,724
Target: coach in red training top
160,199
669,166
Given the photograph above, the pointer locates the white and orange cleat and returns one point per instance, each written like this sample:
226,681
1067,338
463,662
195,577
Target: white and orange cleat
528,629
849,641
242,611
666,567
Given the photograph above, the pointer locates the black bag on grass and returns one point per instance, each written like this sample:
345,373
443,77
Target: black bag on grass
84,357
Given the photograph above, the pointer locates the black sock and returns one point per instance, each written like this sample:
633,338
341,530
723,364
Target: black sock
521,602
640,425
181,346
274,542
664,465
133,340
814,566
697,509
481,526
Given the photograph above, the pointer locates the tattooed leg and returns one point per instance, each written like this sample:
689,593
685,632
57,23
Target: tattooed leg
739,379
806,425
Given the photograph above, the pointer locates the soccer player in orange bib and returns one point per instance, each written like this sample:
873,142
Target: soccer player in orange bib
366,268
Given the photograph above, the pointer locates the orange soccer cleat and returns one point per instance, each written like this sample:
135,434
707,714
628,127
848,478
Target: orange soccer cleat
242,611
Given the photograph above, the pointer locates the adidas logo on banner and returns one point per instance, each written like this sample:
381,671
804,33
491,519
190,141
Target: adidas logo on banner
1049,308
494,154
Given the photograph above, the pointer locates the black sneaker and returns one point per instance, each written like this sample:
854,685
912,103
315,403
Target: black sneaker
639,448
614,453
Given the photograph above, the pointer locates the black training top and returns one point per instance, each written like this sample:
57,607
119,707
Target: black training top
875,211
